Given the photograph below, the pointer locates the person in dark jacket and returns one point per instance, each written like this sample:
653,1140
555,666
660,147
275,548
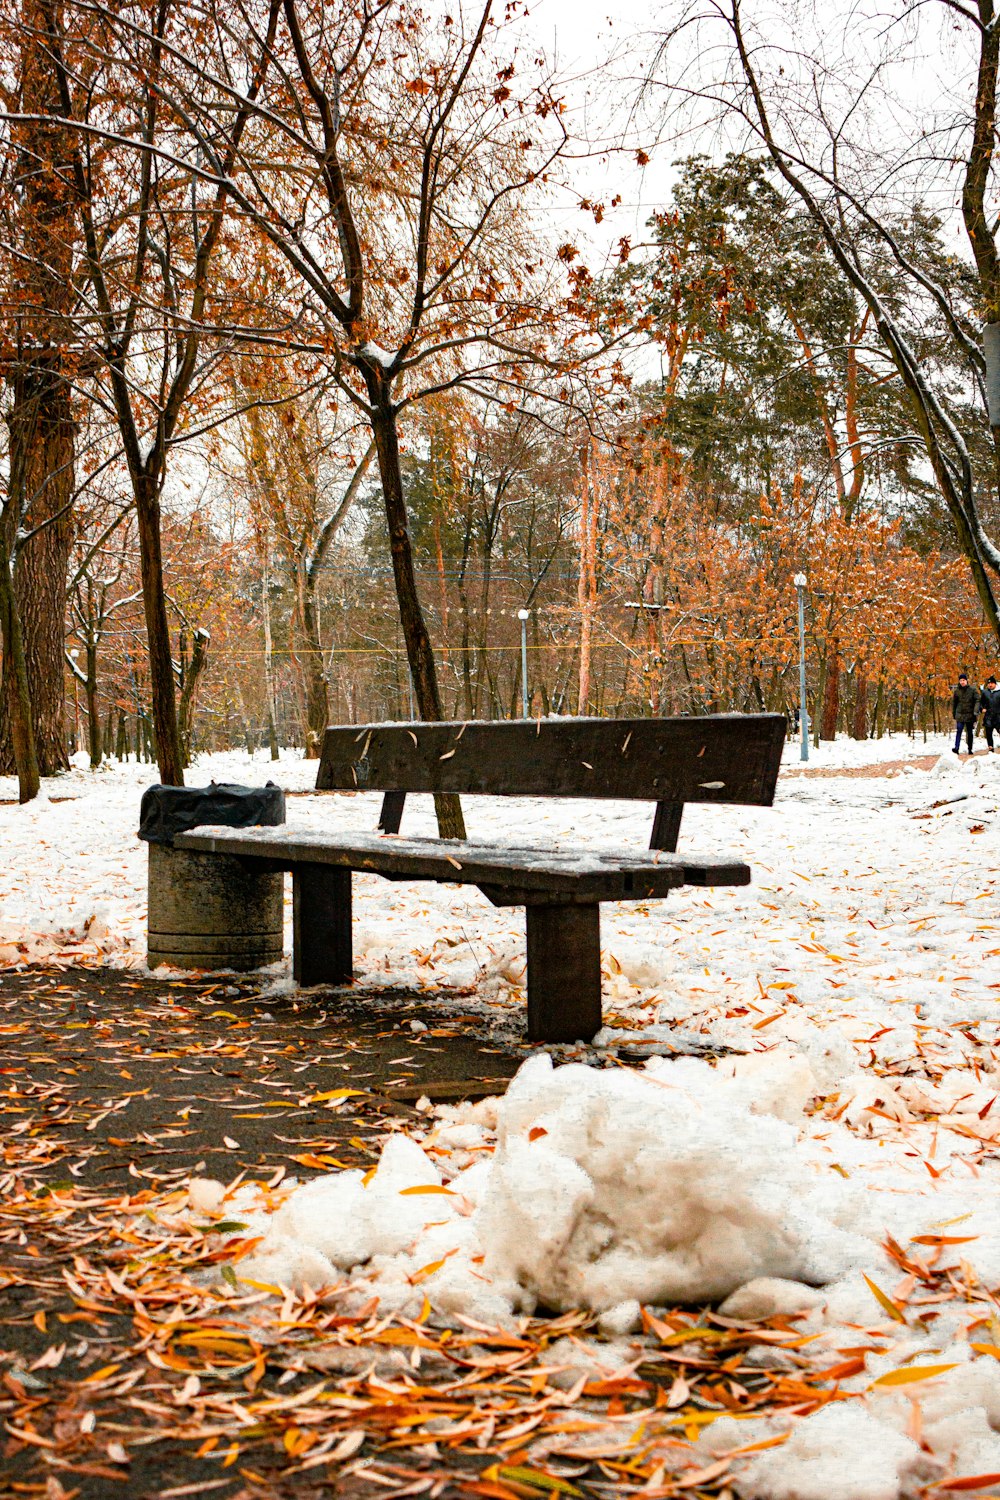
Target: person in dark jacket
989,702
964,708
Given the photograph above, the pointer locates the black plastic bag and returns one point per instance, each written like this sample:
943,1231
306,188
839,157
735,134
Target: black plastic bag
169,810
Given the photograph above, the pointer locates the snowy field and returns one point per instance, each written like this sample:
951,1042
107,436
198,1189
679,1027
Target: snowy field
838,1161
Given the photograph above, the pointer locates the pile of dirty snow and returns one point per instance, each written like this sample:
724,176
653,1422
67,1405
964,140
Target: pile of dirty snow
580,1188
611,1190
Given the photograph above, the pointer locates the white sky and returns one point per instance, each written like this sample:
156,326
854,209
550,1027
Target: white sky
606,47
602,48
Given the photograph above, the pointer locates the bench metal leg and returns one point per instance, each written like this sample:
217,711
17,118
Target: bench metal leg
564,973
321,925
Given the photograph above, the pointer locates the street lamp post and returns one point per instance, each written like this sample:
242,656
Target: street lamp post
800,589
522,615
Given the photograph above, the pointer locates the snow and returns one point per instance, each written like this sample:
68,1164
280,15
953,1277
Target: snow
841,1453
770,1297
848,999
864,873
616,1190
673,1184
378,354
866,1449
843,753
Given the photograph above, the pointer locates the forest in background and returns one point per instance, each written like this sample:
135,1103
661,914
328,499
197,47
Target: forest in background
302,407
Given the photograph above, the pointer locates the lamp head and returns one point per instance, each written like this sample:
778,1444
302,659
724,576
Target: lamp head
799,580
524,614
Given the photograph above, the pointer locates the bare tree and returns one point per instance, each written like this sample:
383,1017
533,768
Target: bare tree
389,162
300,480
836,134
150,230
94,601
17,695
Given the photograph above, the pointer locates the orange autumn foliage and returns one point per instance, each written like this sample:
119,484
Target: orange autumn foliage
716,601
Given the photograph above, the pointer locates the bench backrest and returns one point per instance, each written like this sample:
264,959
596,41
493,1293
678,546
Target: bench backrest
714,758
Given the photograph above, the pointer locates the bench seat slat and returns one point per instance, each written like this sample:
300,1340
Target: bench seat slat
595,874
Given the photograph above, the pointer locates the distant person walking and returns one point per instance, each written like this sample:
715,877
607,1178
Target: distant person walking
989,702
964,708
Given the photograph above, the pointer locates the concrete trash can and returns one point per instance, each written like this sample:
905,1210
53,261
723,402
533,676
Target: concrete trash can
210,911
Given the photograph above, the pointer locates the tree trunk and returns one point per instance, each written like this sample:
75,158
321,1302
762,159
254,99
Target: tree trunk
861,707
831,692
317,713
185,710
485,677
41,464
161,666
40,299
16,695
654,670
442,586
94,738
467,688
587,588
272,727
419,652
466,647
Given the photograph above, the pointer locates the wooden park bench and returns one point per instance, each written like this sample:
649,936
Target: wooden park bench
728,758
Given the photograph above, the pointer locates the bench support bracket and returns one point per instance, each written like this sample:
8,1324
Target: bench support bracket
392,812
666,826
564,972
321,944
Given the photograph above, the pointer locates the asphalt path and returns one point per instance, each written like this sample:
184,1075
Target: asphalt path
113,1084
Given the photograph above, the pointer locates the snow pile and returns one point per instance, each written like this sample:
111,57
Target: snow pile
884,1444
606,1187
659,1187
611,1189
841,1453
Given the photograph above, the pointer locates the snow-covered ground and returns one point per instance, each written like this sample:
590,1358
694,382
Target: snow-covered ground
873,903
848,1131
833,755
